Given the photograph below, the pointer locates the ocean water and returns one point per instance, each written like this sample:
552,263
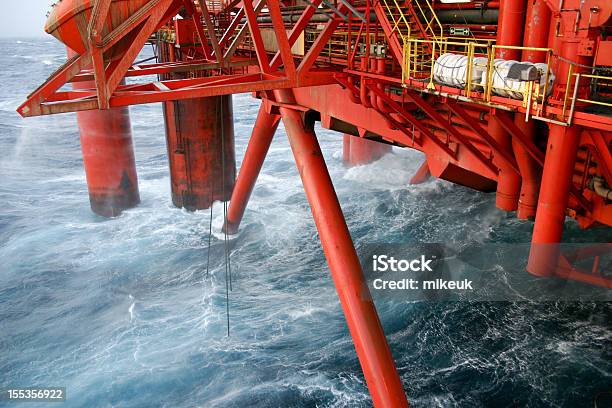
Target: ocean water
122,313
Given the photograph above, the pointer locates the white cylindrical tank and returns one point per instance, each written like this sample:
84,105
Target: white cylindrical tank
512,88
451,69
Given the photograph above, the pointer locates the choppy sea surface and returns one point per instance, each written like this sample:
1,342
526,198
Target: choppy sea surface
121,312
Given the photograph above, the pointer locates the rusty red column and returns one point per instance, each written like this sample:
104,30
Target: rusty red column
259,144
108,157
537,27
361,316
200,141
511,21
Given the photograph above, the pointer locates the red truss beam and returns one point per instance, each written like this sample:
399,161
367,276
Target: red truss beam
197,22
296,31
211,30
320,42
281,38
260,51
70,101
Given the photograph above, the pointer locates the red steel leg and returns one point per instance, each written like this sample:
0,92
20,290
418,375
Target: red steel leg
368,336
108,157
263,132
200,140
554,195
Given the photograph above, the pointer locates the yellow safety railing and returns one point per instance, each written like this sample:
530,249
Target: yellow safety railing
478,86
571,96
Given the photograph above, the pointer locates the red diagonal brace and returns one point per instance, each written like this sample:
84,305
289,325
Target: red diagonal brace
212,34
260,50
72,67
117,71
433,114
414,121
361,316
320,42
281,38
411,140
502,153
197,22
296,31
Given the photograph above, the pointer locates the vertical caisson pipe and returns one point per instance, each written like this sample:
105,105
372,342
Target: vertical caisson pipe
361,316
554,195
536,36
509,32
363,151
559,162
259,144
200,141
108,157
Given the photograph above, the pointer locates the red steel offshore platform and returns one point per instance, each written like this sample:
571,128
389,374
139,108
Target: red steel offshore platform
511,96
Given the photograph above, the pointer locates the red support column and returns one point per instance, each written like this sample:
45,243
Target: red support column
561,154
368,336
108,157
511,19
362,151
554,195
200,140
536,35
263,132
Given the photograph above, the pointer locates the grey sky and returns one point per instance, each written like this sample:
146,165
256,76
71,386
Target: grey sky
23,18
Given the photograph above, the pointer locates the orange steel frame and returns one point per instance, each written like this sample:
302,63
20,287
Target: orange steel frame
364,97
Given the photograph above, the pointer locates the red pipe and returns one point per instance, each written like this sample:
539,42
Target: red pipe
508,180
531,172
361,316
263,132
510,25
108,157
509,32
363,89
554,195
200,141
373,99
536,36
